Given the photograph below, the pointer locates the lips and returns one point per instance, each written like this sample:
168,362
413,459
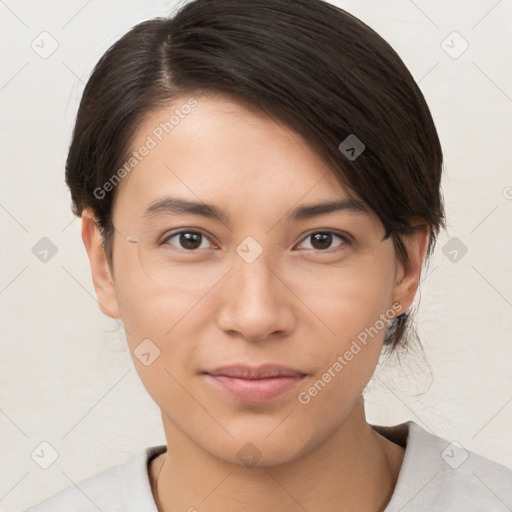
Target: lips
254,384
261,372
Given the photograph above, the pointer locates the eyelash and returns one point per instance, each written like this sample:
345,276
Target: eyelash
345,239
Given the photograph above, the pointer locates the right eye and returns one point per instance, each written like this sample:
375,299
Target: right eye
188,241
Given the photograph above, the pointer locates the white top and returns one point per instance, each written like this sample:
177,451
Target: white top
436,475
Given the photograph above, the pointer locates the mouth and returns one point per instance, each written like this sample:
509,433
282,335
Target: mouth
256,385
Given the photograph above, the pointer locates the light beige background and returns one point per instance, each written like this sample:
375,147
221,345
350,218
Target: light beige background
65,374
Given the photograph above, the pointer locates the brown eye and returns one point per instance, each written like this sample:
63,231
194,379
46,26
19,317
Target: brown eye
187,240
323,240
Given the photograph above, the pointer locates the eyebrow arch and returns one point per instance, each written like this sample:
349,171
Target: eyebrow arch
313,210
179,206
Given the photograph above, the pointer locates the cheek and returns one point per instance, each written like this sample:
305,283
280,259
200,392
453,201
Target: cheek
351,307
164,322
161,346
348,300
148,312
347,352
150,309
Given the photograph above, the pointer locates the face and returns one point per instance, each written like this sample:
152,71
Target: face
256,285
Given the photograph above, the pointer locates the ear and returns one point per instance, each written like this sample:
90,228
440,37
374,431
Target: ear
408,277
101,274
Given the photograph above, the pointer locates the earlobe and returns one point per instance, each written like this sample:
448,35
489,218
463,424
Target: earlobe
101,274
416,244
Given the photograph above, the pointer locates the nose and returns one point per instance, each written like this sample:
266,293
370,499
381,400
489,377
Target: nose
256,302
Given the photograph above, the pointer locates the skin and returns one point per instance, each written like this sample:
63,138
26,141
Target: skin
295,305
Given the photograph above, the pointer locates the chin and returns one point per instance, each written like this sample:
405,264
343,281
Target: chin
258,449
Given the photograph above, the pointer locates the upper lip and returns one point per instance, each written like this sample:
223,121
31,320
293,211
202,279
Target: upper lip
265,371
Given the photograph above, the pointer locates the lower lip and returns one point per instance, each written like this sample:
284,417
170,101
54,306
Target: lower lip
254,390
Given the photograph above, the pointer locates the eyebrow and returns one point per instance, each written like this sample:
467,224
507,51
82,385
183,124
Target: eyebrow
179,206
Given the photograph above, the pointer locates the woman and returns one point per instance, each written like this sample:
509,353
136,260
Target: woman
259,187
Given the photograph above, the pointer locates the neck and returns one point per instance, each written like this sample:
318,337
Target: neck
354,469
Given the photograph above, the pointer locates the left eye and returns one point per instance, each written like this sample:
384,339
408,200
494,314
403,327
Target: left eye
321,240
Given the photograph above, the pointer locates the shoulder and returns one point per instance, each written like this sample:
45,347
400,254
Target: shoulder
438,474
119,488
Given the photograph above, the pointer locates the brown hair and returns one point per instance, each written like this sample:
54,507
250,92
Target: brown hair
306,63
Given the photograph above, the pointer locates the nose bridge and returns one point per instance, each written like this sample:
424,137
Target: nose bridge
253,270
254,304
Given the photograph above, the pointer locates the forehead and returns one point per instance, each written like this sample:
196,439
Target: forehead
211,148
